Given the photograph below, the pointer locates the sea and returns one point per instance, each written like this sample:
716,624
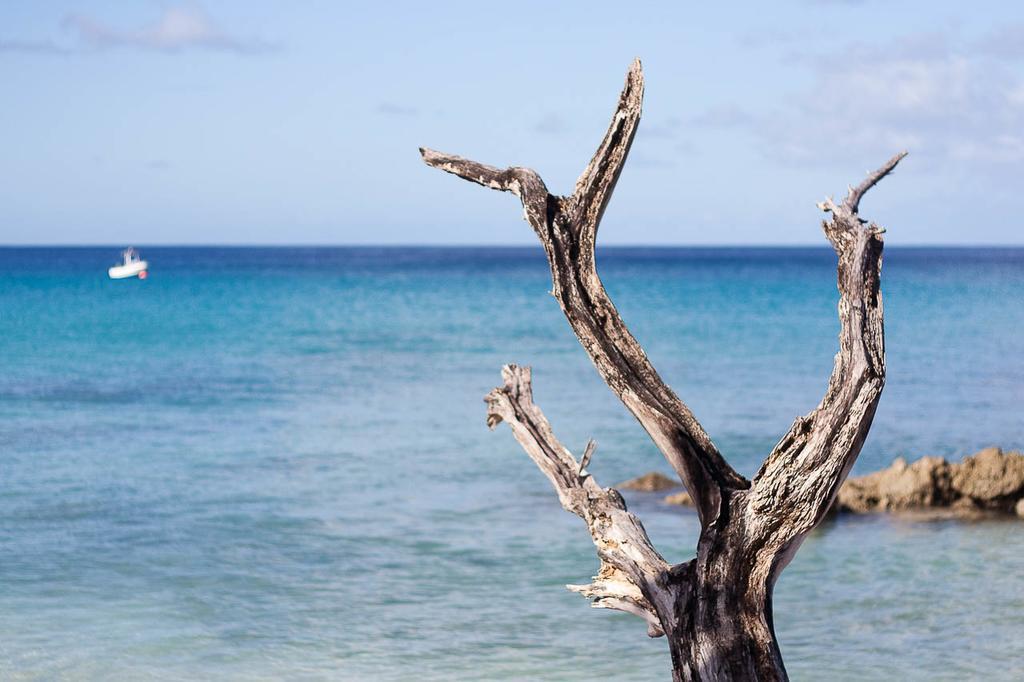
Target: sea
273,463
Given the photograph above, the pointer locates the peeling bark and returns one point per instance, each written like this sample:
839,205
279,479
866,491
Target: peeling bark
716,609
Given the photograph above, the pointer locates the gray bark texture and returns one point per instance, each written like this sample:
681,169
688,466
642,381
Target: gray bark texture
716,609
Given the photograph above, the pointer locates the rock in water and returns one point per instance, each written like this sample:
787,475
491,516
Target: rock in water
652,482
682,499
989,480
925,483
992,479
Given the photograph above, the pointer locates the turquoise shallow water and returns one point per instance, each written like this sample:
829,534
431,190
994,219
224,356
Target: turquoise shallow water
273,464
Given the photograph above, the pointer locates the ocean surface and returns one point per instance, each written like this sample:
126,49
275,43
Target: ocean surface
267,463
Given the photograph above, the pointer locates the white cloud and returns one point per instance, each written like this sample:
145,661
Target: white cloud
177,29
867,102
1006,42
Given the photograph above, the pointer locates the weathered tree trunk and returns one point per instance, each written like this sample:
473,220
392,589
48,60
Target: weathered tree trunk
716,609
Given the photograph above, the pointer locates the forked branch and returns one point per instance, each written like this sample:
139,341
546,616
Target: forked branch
802,475
716,608
630,566
852,202
567,228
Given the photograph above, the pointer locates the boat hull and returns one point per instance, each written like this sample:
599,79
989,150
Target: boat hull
134,269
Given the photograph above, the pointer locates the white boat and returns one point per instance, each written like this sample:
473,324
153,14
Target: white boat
131,265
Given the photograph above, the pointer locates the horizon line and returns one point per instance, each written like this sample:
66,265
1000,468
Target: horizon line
420,245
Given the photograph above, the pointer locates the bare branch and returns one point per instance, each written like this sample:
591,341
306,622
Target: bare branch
715,609
630,566
595,185
852,203
588,452
609,592
801,476
505,180
567,228
618,357
523,182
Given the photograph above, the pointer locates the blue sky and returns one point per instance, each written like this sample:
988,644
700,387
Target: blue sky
274,122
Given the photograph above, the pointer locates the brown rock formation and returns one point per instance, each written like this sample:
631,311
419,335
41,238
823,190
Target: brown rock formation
651,482
925,483
682,499
989,481
992,479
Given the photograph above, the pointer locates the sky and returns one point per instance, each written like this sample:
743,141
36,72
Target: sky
298,123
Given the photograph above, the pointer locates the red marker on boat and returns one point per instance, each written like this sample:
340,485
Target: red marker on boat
143,275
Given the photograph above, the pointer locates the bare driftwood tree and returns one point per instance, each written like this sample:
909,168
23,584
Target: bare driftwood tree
716,609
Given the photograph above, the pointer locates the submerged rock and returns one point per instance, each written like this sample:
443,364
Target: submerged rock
682,499
651,482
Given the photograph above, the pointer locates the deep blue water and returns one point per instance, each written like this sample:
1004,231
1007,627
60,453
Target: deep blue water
272,463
